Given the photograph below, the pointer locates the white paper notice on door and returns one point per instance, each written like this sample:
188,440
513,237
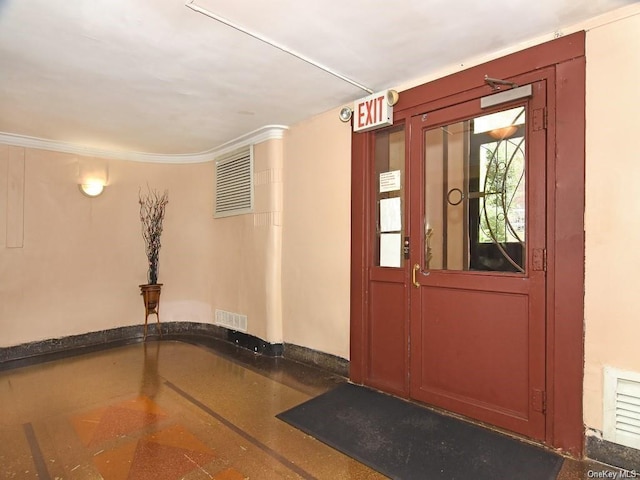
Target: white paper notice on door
390,215
390,250
390,181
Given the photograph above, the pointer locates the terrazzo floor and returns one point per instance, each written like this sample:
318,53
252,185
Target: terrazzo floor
171,410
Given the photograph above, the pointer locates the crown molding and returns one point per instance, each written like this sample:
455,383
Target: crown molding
262,134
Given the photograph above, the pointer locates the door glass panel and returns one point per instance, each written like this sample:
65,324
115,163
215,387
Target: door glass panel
475,197
389,181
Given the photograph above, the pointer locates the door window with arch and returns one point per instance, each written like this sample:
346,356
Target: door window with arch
475,207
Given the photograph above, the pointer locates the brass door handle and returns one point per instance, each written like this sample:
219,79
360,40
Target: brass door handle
416,283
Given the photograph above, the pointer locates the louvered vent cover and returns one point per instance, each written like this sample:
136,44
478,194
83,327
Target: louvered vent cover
622,407
234,321
234,183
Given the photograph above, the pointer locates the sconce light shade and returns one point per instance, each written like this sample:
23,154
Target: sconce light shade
93,175
345,114
502,133
92,189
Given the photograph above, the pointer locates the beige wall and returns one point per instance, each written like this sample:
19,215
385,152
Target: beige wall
245,273
612,207
82,259
316,234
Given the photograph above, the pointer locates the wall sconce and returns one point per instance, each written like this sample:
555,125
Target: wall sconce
91,189
93,175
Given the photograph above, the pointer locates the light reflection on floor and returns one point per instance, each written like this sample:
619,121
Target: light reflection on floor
171,410
159,410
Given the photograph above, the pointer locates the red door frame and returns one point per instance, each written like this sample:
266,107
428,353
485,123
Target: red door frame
565,229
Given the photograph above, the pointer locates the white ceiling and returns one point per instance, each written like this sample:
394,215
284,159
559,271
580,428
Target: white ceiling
156,76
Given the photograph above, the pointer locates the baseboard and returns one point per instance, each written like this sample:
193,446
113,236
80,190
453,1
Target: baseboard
52,349
72,343
613,454
255,344
325,361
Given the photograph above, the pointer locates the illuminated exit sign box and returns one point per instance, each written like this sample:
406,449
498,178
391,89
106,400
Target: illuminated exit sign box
372,112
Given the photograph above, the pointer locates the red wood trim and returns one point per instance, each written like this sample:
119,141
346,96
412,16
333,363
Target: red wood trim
534,58
359,250
568,305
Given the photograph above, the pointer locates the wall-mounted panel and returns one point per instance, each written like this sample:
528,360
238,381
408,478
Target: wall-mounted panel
15,197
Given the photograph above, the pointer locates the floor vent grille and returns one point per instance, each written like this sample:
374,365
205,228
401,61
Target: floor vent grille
234,321
622,407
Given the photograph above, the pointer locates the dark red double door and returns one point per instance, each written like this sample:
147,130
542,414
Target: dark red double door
455,257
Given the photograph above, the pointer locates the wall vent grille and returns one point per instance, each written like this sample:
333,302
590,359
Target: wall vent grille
233,321
234,183
622,407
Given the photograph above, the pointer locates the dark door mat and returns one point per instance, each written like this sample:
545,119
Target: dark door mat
406,441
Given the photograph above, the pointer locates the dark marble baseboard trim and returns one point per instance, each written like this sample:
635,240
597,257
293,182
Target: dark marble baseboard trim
255,344
613,454
56,348
206,331
325,361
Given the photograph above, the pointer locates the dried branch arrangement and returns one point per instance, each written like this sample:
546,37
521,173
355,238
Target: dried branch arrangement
152,207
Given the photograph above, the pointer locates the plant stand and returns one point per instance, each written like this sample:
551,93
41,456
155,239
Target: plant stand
151,297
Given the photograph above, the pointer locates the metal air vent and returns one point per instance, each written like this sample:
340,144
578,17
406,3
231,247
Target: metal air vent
234,183
622,407
231,320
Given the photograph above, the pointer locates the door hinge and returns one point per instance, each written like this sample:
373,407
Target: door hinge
539,400
539,260
539,119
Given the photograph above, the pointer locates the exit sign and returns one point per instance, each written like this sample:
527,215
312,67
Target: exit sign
372,112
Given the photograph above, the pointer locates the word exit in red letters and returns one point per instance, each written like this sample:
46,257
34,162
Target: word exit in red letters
372,112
